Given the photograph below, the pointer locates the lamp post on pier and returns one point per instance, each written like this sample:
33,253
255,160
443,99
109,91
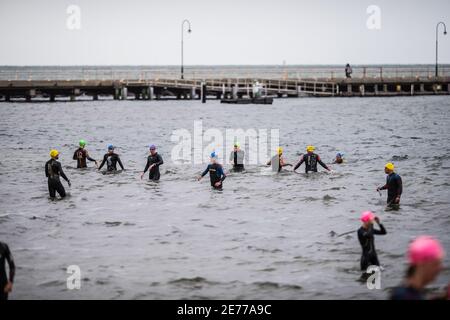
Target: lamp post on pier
182,44
445,32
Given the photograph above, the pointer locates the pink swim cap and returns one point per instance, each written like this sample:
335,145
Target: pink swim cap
424,249
367,216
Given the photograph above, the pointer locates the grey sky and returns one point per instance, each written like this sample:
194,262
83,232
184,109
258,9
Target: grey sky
138,32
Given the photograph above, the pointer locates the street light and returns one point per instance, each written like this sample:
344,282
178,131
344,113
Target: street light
182,44
445,32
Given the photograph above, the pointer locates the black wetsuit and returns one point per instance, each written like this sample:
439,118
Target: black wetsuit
394,187
5,256
111,160
366,239
154,172
405,292
53,171
216,174
310,160
81,155
237,157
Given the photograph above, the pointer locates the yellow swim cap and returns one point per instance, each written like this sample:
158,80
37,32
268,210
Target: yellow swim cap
54,153
310,148
389,166
280,150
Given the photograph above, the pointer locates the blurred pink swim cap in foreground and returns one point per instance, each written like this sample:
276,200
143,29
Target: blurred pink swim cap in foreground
367,216
424,249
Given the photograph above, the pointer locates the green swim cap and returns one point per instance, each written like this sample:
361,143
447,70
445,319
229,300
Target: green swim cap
82,143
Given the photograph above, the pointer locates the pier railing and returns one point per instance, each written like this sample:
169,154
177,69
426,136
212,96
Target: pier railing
219,72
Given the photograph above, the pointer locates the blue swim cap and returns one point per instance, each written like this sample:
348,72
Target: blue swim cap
152,147
110,147
339,154
213,155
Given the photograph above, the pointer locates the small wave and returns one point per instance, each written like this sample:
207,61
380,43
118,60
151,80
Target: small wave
267,270
328,198
53,283
196,281
264,250
112,223
276,285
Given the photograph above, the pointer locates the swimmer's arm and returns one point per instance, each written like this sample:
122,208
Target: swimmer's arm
222,174
120,163
381,231
322,164
160,161
11,264
46,170
61,172
302,159
400,187
205,172
147,165
103,162
88,157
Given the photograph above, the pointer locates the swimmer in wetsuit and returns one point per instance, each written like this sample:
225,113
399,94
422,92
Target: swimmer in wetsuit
53,171
111,159
6,283
367,241
425,255
81,155
216,174
277,162
154,160
237,158
311,159
394,186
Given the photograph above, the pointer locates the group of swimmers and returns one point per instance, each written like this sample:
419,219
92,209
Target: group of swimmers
53,168
425,254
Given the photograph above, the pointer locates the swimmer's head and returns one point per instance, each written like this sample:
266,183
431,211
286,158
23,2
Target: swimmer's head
310,149
54,154
425,255
389,168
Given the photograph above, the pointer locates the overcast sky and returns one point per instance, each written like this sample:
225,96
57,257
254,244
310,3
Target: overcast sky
148,32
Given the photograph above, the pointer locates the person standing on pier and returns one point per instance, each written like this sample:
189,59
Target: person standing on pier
394,186
81,155
348,71
237,158
367,241
6,283
111,159
154,160
53,171
311,159
425,255
216,174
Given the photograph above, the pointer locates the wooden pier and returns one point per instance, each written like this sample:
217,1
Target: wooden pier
30,90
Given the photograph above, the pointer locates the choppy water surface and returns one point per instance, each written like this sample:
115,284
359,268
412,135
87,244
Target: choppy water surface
264,236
